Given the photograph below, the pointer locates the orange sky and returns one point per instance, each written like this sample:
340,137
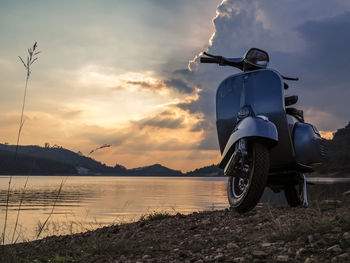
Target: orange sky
115,73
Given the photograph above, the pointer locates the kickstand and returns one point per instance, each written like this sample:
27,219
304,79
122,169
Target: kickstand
305,201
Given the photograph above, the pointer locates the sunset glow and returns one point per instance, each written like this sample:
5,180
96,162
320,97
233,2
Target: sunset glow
118,73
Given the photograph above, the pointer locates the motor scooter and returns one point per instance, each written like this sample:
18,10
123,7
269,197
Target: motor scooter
263,141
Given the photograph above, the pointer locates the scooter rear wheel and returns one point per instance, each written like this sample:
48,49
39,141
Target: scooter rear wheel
245,192
294,193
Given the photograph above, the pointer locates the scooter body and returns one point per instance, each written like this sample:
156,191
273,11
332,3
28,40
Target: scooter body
263,143
293,146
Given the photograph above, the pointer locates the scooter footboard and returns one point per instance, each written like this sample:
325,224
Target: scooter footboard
258,127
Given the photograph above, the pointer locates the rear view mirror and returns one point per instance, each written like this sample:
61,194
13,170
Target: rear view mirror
257,57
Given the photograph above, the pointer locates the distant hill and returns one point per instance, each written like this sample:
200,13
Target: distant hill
57,160
338,153
60,155
154,170
32,165
211,170
34,159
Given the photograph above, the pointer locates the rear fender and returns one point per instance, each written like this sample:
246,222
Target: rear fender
251,127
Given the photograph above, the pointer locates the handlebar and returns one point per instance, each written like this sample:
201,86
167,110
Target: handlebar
208,60
288,78
222,61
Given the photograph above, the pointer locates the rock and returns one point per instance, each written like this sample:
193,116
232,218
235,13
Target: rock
313,238
300,252
346,235
215,229
259,253
344,256
232,245
330,237
182,254
331,202
239,260
282,258
336,229
321,243
219,257
176,250
266,244
309,260
334,260
335,249
146,257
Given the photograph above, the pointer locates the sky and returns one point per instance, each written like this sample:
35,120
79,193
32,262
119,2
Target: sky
126,73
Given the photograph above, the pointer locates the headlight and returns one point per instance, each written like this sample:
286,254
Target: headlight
243,112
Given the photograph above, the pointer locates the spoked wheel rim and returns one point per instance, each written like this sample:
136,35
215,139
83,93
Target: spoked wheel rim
241,181
239,186
246,186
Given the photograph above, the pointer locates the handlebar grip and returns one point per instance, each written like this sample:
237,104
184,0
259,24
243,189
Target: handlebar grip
208,60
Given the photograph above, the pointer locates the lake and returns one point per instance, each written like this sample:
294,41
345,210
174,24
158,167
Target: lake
90,202
86,203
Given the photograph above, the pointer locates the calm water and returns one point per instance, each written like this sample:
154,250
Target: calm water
90,202
87,203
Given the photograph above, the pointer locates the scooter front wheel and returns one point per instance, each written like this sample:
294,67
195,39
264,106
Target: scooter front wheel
245,190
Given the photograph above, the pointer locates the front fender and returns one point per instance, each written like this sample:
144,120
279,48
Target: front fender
256,127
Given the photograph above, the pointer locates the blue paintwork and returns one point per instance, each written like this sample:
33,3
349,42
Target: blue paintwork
261,90
250,127
307,144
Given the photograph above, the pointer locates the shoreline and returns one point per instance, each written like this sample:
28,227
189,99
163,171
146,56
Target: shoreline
265,234
112,175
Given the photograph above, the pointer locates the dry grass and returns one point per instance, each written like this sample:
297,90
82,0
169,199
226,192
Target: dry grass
31,58
315,219
41,226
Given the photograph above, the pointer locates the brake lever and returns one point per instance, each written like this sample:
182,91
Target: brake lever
289,78
221,61
209,55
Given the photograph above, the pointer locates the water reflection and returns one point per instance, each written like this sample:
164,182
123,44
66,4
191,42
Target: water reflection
90,202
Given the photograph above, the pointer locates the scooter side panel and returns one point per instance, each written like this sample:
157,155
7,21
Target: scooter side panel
247,128
308,144
262,90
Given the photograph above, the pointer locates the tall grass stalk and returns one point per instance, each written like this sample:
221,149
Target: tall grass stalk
42,226
19,210
31,58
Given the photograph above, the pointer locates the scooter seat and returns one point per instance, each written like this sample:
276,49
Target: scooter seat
290,100
299,114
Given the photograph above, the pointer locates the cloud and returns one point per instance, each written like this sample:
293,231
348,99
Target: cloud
313,47
67,113
323,67
172,109
172,84
147,85
162,120
179,85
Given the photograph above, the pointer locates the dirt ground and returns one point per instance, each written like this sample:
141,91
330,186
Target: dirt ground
320,233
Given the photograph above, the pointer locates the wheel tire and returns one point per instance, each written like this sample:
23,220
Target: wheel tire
294,194
257,179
